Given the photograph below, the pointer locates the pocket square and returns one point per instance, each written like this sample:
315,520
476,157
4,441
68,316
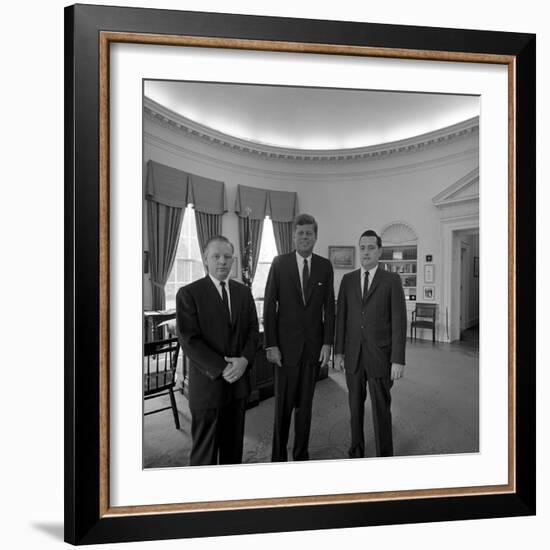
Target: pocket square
320,284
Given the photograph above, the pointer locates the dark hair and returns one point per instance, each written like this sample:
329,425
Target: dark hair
304,219
371,233
219,238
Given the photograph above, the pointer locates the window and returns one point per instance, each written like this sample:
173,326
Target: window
188,266
268,250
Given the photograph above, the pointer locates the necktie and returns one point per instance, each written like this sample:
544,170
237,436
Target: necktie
305,279
225,299
366,286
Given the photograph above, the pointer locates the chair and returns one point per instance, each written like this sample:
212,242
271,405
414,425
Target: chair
159,376
423,316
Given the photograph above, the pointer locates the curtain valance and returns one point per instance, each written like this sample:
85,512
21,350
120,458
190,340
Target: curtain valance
166,185
176,188
281,206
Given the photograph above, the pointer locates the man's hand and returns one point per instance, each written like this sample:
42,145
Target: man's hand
235,368
324,356
274,355
339,361
397,371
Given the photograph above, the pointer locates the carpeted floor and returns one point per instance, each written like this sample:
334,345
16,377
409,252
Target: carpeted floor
435,411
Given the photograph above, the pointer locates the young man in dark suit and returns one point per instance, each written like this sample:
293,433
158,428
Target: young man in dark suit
217,328
371,328
299,332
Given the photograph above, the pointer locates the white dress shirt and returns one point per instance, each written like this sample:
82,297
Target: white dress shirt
372,272
300,262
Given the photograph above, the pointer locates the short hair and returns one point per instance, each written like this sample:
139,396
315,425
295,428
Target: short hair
371,233
304,219
218,238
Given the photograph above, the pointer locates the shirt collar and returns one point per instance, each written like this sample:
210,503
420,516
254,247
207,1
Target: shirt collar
372,271
301,258
217,281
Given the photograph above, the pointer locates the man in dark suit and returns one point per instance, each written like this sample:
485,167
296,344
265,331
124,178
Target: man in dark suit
371,327
217,328
299,332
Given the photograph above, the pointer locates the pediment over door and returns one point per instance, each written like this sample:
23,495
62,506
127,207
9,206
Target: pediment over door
460,199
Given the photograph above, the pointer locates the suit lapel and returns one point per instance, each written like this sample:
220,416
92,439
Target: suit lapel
233,296
356,283
295,275
313,276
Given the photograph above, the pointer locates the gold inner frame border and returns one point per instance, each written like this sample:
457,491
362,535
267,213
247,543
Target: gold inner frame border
105,40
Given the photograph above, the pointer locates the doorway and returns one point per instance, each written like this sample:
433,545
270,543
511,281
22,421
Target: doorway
468,286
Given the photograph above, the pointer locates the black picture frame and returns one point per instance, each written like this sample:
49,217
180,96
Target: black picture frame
88,517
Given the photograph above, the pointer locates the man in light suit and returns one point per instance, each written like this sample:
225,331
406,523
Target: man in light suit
217,328
371,328
299,333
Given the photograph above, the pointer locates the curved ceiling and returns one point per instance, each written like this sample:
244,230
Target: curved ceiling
312,118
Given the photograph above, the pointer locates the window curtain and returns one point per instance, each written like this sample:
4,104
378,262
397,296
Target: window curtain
166,194
208,225
283,208
254,232
255,204
164,226
209,201
251,206
283,237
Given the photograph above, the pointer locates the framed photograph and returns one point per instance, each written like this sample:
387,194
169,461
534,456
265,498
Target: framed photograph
342,257
429,273
110,495
429,292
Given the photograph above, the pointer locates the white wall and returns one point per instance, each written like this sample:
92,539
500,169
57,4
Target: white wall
345,197
31,464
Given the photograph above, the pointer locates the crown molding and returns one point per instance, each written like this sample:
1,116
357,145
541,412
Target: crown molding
303,171
181,124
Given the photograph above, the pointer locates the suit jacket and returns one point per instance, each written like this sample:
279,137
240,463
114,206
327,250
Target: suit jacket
207,335
298,328
380,323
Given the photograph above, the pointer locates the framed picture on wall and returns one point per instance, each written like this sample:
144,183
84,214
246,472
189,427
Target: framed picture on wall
429,273
342,257
110,497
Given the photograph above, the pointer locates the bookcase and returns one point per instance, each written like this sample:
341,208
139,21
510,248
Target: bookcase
403,261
